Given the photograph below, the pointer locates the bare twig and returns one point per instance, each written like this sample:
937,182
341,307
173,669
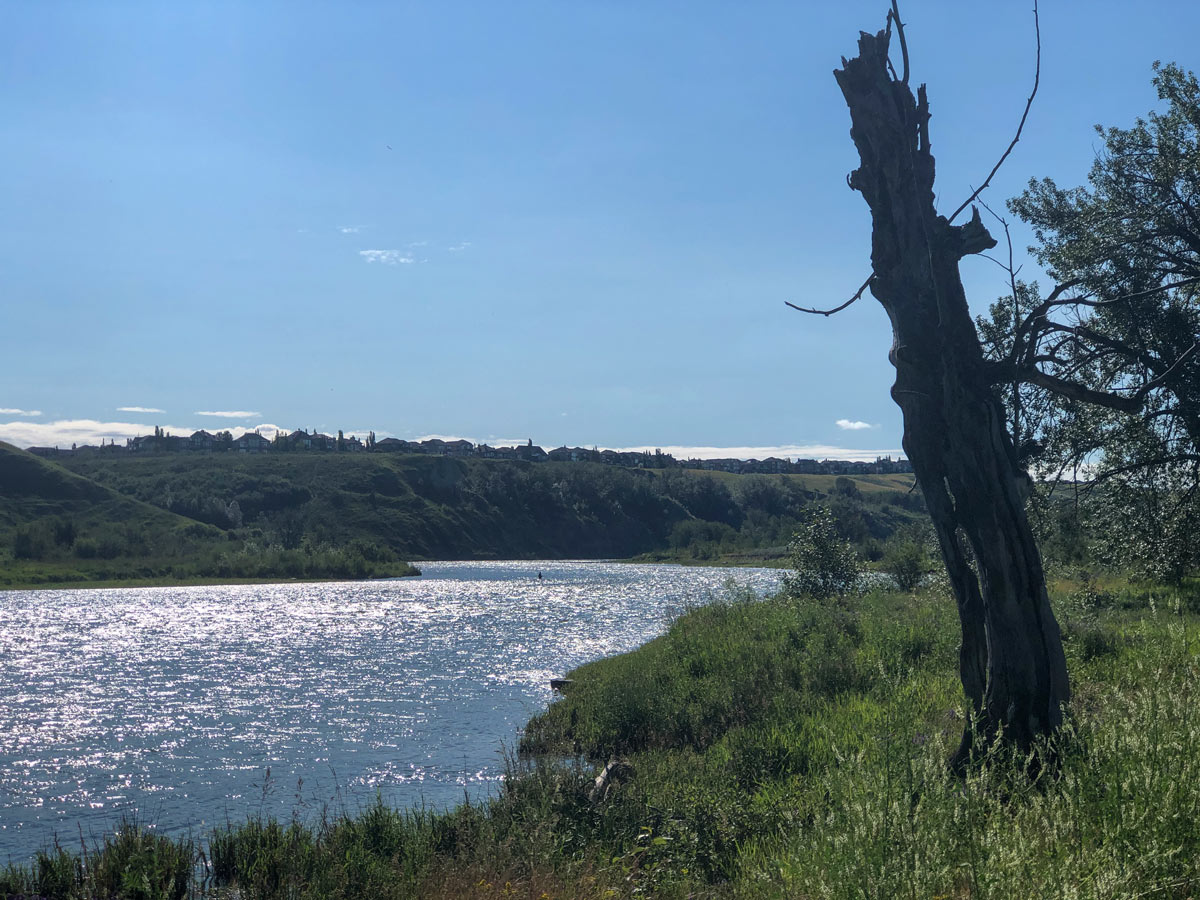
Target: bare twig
837,309
1037,75
1016,312
894,16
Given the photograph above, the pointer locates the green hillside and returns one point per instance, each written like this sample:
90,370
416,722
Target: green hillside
102,517
57,526
434,507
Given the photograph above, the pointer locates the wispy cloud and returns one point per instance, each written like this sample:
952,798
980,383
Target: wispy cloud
139,409
387,257
349,229
851,425
9,411
680,451
490,440
66,432
459,248
782,451
229,414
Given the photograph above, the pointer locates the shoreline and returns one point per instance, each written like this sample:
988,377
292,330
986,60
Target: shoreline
99,584
758,748
737,562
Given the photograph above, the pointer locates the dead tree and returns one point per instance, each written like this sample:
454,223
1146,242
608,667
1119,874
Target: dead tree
1011,659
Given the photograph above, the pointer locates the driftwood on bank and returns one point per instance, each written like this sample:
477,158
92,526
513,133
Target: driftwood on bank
614,772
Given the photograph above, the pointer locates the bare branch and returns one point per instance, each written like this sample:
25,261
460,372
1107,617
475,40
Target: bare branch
1016,315
837,309
1144,464
1002,373
1075,391
1183,282
1037,75
894,16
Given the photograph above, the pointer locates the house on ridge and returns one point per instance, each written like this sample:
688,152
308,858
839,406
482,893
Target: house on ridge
251,442
201,440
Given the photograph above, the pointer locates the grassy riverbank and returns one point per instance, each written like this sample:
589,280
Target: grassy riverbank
773,748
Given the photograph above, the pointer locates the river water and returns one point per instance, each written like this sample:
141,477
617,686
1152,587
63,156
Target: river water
188,707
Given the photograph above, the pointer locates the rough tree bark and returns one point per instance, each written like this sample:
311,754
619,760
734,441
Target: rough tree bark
1011,660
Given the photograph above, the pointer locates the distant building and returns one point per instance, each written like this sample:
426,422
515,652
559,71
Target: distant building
251,442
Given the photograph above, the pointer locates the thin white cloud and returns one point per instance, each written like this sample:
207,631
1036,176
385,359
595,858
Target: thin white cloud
783,451
387,257
349,229
66,432
9,411
854,425
361,433
266,429
138,409
229,414
459,248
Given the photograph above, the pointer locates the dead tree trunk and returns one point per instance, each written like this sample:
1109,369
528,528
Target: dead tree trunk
1011,659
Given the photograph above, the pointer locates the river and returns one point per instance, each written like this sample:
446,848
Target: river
184,708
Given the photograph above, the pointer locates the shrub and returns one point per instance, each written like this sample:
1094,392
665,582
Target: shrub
30,543
64,532
907,561
823,564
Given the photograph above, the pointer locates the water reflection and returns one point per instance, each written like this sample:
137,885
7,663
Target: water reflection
192,706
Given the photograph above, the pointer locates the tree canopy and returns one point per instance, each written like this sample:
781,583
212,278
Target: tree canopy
1108,358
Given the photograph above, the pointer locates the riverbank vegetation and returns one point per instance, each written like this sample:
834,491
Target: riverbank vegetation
57,527
160,518
765,748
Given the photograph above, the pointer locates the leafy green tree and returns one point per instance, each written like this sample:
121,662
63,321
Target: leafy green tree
823,564
1104,371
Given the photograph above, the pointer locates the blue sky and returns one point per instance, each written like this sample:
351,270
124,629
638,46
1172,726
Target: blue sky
572,222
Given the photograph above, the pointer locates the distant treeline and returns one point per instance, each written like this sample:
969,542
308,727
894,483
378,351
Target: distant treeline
302,440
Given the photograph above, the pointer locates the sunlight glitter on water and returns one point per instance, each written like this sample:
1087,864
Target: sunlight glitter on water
191,706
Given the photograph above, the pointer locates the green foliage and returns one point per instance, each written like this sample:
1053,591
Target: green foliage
1129,244
723,664
1147,523
133,863
907,560
31,542
64,532
412,506
66,528
823,564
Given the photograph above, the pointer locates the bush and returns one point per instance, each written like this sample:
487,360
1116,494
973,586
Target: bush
31,542
64,532
907,561
823,564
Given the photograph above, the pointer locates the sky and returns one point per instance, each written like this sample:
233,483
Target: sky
576,223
